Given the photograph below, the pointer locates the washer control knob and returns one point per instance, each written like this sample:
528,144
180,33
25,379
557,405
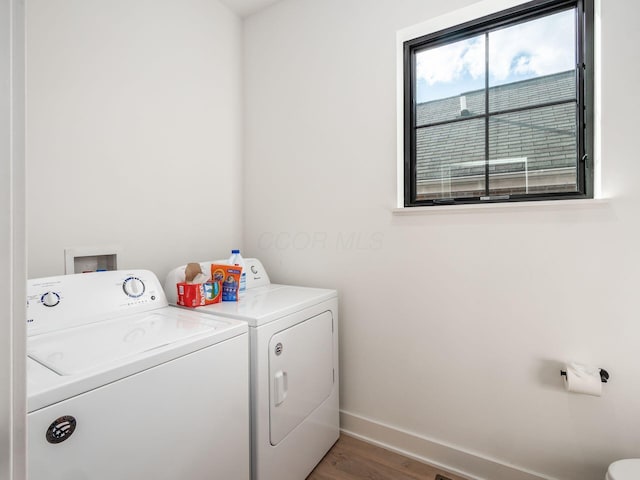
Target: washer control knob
133,287
50,299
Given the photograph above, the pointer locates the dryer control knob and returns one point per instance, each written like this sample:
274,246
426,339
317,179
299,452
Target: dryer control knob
134,287
50,299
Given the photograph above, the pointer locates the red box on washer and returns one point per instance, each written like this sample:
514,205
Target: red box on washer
198,294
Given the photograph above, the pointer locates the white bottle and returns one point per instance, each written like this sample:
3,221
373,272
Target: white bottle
236,259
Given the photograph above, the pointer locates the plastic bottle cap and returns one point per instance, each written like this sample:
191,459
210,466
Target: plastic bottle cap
235,251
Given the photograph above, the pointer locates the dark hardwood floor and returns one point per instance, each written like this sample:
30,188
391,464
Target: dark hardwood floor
353,459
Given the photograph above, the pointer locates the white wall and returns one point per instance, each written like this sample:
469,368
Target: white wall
454,324
12,239
134,131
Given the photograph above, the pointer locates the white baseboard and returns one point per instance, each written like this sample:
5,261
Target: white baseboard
447,457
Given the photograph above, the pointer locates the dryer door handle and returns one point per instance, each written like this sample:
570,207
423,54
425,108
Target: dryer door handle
281,386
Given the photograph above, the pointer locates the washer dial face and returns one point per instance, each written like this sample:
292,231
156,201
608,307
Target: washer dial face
133,287
50,299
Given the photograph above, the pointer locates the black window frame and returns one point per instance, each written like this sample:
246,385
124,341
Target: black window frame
584,93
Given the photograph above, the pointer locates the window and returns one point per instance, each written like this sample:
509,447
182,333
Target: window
500,108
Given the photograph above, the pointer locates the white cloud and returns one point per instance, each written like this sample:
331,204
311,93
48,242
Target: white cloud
538,47
448,63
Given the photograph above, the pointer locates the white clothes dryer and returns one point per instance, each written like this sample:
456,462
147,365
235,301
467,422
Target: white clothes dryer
122,386
293,334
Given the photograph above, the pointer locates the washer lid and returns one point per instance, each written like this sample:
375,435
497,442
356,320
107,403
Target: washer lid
103,345
268,303
628,469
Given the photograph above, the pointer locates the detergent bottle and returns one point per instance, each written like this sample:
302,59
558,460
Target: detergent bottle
236,259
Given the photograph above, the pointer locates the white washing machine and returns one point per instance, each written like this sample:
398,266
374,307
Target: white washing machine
122,386
293,333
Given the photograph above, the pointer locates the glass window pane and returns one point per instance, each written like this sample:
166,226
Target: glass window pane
450,81
533,151
450,160
533,62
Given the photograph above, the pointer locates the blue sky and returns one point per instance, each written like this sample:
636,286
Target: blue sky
538,47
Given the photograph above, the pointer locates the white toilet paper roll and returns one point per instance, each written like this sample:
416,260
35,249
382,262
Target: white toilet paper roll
583,379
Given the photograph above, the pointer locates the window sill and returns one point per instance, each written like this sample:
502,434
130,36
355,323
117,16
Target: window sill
544,205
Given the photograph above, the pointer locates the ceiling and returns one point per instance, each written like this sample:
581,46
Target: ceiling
244,8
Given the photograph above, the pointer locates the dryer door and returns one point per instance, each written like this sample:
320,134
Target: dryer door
300,372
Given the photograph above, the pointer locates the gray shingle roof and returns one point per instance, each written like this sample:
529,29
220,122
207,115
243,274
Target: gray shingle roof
520,143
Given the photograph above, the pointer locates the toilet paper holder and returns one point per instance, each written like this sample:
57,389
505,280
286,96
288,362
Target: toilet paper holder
604,375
